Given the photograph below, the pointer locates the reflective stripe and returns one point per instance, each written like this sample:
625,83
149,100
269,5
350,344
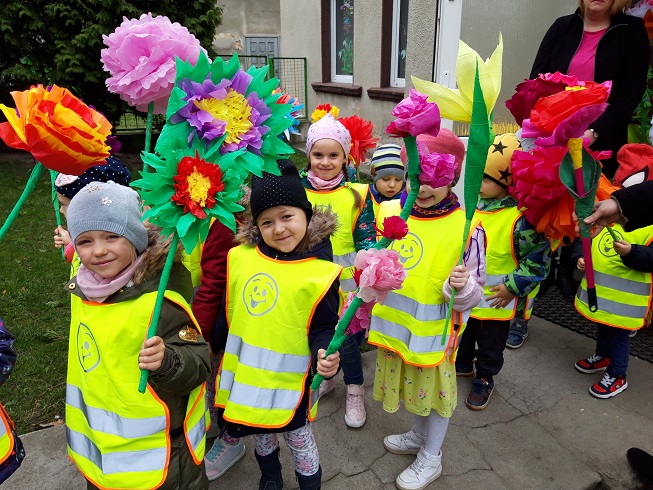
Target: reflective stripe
226,380
3,429
621,284
494,280
112,423
413,342
197,432
265,398
348,285
614,307
485,304
111,463
420,311
346,260
260,358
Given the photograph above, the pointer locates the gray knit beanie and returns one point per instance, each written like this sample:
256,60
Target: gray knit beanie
107,206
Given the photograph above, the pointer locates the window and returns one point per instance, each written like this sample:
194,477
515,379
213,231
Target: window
399,41
342,41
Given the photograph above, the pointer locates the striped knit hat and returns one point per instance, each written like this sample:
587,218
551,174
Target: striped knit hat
386,161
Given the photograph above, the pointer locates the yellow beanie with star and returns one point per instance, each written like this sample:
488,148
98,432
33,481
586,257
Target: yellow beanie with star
497,165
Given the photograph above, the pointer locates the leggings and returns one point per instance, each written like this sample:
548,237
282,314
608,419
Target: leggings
301,443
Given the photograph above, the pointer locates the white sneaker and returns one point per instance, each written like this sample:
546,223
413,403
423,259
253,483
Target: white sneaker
221,457
425,469
407,443
354,406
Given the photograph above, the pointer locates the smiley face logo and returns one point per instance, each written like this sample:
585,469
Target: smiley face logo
88,352
410,250
605,243
260,294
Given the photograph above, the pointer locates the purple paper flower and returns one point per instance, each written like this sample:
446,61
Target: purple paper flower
415,116
437,169
213,110
140,58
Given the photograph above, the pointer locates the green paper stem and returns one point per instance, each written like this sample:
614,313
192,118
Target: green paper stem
55,203
29,188
612,233
163,283
148,132
413,176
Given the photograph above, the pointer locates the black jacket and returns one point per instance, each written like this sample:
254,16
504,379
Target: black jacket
622,56
635,203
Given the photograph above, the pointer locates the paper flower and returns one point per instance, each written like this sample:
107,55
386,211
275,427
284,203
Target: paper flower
322,110
641,8
437,169
362,140
394,228
224,106
568,114
361,319
296,113
140,58
528,92
57,128
188,187
414,116
456,104
381,272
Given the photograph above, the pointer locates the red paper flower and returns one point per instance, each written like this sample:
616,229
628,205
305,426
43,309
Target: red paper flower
196,184
360,131
394,228
414,116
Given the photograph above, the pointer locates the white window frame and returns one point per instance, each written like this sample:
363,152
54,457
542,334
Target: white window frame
395,81
334,50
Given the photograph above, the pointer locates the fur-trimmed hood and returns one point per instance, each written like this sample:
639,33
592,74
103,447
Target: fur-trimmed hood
322,225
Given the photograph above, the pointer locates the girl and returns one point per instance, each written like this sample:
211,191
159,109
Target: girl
114,292
327,147
414,363
281,309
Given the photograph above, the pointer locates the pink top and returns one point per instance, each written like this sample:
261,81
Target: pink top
582,64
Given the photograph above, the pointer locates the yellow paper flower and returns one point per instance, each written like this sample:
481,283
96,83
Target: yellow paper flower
456,104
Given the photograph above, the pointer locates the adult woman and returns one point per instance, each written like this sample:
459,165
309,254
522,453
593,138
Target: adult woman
599,42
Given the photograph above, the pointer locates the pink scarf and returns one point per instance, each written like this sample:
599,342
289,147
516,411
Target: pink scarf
324,185
97,289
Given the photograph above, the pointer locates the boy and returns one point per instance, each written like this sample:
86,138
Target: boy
388,174
518,259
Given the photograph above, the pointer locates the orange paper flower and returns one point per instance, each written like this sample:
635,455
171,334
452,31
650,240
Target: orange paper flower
57,128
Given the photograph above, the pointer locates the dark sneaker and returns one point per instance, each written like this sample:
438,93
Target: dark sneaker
609,386
479,396
465,371
642,463
592,364
517,335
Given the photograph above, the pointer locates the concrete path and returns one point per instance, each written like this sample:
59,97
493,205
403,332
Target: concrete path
541,430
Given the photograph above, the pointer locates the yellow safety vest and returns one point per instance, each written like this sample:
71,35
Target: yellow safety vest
412,320
118,437
192,262
6,436
623,294
343,204
267,357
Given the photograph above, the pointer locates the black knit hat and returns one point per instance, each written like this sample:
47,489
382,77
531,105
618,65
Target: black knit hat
279,190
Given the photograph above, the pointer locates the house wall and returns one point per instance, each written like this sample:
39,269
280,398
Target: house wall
242,18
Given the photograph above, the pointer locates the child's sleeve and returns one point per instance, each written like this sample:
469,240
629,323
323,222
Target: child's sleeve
474,259
533,251
640,258
364,232
324,320
186,362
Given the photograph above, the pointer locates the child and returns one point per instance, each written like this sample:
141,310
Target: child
622,272
67,186
327,147
388,173
413,364
518,259
118,437
280,313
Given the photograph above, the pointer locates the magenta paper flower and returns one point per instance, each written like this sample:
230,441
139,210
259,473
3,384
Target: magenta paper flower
414,116
140,58
437,169
381,271
361,319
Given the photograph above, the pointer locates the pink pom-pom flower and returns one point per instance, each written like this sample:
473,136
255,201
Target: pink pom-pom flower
381,271
140,58
361,319
414,116
437,169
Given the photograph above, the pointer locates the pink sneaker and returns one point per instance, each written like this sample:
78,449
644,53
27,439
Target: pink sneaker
354,406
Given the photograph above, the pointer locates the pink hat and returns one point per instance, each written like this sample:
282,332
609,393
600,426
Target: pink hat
328,128
444,142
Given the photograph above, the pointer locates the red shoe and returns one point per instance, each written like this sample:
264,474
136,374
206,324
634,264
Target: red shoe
609,386
592,364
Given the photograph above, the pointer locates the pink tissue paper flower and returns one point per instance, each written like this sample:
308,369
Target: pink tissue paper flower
415,116
381,272
437,169
361,319
140,58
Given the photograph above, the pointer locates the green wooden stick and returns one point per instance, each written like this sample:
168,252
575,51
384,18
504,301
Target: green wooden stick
163,283
612,233
29,188
55,203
